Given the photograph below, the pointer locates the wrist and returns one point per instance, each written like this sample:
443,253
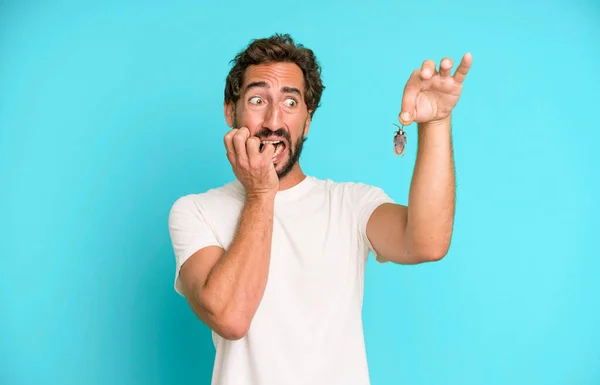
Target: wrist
265,198
438,123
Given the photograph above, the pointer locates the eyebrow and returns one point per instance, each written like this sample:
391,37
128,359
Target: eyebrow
291,90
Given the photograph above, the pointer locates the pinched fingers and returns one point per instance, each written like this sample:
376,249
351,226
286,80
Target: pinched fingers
409,99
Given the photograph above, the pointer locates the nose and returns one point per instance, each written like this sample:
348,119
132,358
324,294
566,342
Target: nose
273,118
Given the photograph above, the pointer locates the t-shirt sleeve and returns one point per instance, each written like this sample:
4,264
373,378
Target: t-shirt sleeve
366,199
190,231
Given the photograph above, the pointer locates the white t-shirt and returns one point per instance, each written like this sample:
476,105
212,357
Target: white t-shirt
308,327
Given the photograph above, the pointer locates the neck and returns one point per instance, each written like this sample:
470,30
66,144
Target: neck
294,177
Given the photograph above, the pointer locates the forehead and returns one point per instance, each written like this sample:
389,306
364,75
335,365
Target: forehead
276,75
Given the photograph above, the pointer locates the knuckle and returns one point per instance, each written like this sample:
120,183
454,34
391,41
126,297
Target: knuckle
253,162
243,164
228,140
238,138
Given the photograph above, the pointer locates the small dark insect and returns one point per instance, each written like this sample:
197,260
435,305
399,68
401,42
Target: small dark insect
399,140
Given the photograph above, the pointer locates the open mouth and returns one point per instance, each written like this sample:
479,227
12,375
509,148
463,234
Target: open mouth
278,144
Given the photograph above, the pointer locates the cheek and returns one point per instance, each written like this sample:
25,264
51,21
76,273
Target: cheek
297,138
248,118
300,124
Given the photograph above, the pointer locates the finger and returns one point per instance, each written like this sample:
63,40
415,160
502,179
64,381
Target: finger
252,148
228,141
445,67
463,68
427,69
239,143
268,151
411,90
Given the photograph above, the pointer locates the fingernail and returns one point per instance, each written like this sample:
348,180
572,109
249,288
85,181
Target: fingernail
405,115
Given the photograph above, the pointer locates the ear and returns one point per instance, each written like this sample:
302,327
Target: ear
229,111
307,123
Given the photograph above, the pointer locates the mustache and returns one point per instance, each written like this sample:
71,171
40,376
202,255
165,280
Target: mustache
265,133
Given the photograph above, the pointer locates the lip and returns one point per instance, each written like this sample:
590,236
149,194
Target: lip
274,139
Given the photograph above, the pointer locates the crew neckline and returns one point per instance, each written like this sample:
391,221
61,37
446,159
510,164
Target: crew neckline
296,191
286,195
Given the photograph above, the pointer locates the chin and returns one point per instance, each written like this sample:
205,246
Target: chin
284,168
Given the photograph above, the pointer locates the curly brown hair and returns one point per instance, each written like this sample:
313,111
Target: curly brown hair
277,48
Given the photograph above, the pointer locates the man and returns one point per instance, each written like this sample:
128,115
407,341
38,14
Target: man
273,262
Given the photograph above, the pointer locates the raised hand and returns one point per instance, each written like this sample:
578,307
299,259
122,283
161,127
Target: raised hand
429,94
252,167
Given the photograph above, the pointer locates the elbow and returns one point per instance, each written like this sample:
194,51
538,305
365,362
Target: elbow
436,252
232,329
228,323
427,245
436,248
231,324
431,252
435,256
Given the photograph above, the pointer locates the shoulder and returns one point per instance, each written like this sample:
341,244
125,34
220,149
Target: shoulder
199,203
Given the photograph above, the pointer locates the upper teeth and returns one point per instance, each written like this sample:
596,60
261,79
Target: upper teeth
271,141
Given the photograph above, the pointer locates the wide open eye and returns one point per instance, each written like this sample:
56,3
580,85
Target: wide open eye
256,100
291,102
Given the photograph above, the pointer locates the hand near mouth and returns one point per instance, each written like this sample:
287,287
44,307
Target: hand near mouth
278,145
252,162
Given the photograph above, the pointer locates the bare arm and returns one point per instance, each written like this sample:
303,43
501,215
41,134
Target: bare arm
432,193
421,231
225,288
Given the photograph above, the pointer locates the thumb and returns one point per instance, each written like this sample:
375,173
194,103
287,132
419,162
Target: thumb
411,91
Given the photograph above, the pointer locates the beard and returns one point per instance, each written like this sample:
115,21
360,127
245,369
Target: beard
293,158
294,151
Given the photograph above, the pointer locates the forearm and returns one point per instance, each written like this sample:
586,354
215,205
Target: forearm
431,201
236,284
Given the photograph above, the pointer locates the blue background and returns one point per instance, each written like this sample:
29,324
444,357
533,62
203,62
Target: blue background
108,113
